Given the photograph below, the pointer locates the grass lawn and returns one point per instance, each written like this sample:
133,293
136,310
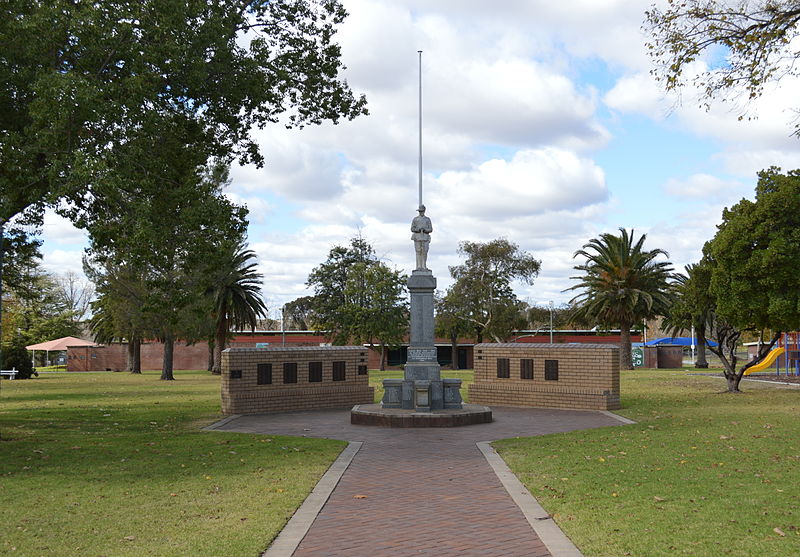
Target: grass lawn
701,473
115,464
376,380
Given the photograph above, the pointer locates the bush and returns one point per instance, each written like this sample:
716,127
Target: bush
15,356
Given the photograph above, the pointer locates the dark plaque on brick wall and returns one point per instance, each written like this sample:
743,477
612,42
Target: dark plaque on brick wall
503,368
339,371
315,372
526,368
551,370
264,374
290,372
362,370
236,374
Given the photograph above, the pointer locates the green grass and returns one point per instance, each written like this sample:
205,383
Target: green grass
115,464
701,473
376,380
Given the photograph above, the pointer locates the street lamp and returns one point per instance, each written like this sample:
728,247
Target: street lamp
551,321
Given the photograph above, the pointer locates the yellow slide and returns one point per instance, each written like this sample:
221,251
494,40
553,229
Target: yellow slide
766,362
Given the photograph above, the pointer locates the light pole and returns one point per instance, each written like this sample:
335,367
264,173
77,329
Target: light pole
551,321
283,325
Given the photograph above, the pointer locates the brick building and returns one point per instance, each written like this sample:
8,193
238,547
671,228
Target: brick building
113,357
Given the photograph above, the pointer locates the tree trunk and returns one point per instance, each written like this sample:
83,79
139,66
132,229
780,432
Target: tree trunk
129,362
383,357
701,362
166,368
219,346
625,359
733,382
454,351
211,345
137,355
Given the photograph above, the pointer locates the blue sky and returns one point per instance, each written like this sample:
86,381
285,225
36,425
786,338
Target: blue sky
542,125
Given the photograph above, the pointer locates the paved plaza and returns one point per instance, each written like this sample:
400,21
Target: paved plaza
420,491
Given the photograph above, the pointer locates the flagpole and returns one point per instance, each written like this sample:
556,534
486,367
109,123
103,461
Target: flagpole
420,127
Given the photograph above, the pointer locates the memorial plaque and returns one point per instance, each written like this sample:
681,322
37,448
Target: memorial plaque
551,370
422,354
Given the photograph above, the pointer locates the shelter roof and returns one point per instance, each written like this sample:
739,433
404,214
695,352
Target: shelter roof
60,344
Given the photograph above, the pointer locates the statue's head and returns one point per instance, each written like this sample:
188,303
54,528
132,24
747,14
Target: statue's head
421,209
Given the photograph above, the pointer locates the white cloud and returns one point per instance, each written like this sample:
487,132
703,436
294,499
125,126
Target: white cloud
706,187
60,231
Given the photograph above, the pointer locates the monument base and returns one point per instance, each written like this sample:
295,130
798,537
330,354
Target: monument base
375,414
421,394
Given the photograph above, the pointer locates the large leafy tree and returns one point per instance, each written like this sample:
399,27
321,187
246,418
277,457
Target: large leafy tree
376,306
299,313
755,37
451,322
118,311
329,281
235,292
168,222
80,82
357,298
482,289
79,79
622,284
755,255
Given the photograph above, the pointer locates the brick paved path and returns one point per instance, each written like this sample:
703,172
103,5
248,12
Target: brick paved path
427,491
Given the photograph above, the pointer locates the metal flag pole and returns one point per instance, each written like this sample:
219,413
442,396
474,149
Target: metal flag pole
420,127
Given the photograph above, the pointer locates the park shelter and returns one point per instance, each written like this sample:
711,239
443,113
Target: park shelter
58,345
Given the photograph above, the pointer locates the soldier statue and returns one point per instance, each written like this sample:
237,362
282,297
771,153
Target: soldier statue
421,228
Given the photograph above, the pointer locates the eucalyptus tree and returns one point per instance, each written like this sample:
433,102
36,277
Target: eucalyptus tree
235,293
622,284
483,291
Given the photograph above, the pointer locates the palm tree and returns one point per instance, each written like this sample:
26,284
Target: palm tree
693,307
235,295
622,284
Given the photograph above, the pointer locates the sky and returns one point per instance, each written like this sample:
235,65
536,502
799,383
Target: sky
541,125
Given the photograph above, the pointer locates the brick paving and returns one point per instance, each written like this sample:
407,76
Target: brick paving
420,491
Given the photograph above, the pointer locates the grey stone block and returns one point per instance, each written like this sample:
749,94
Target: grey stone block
452,393
392,393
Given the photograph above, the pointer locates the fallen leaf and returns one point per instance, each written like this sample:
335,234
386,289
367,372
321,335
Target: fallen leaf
657,498
129,538
359,496
778,531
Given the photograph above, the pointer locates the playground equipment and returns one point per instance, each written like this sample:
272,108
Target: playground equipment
766,362
785,354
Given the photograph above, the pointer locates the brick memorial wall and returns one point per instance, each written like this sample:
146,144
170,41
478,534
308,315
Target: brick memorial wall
282,379
583,376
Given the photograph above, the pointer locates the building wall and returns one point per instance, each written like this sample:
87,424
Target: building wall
241,393
588,376
114,357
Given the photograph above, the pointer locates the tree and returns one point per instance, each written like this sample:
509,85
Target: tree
376,306
622,284
118,311
329,281
755,255
174,197
451,323
693,307
299,313
756,37
77,80
482,288
357,298
235,292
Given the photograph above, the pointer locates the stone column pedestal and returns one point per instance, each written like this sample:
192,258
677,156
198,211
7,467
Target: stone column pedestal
422,387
